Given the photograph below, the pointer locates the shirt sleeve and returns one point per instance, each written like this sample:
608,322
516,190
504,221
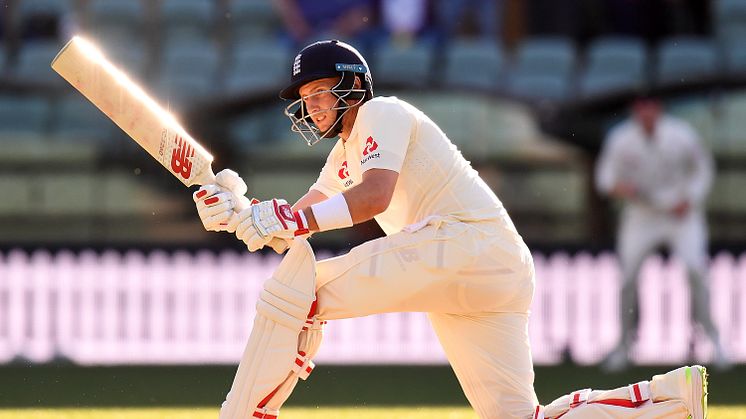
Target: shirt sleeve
386,129
702,172
326,182
607,167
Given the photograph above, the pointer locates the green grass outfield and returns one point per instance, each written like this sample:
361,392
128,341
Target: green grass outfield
729,412
59,386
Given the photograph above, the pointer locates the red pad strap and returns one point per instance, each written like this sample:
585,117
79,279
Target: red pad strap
579,397
300,222
262,414
639,392
303,365
617,402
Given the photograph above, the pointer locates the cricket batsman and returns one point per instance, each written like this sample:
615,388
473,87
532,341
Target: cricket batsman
450,250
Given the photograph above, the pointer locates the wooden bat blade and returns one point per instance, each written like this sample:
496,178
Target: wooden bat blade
86,68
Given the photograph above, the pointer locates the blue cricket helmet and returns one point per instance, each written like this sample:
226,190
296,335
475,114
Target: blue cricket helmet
330,58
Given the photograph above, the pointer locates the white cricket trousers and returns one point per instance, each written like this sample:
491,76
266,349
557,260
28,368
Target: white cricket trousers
474,279
640,232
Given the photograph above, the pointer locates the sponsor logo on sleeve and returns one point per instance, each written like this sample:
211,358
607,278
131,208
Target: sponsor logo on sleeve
368,152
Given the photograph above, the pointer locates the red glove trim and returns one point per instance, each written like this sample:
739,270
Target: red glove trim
302,228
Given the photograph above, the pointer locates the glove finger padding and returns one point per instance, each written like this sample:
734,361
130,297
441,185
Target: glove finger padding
254,241
216,210
206,191
219,202
241,223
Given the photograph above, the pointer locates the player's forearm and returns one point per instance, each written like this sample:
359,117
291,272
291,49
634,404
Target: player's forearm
362,205
311,197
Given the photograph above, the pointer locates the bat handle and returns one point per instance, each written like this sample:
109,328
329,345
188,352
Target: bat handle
242,202
277,244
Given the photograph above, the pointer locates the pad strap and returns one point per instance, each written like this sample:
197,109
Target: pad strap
265,413
579,397
303,365
639,392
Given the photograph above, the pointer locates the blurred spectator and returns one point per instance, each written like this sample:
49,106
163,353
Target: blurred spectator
656,165
306,21
487,14
577,19
40,20
656,19
404,20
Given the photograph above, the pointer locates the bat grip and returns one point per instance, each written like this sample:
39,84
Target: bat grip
241,203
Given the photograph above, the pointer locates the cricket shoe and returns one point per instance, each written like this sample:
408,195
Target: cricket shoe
688,384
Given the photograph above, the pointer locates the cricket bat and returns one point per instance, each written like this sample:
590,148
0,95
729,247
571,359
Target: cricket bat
86,68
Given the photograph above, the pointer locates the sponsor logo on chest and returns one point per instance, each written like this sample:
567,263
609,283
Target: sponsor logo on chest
344,175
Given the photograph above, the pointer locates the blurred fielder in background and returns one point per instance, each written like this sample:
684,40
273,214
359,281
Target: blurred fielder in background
657,166
450,250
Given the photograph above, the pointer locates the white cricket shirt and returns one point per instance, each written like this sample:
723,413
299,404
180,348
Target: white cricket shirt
669,167
434,178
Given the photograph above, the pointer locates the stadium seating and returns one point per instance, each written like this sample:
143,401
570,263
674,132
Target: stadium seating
730,20
403,65
27,8
22,117
617,55
123,194
248,129
562,190
542,68
613,64
256,68
683,59
473,64
545,56
735,59
67,194
251,19
128,17
76,121
23,195
191,55
34,60
731,125
538,86
188,18
591,83
189,70
699,112
131,55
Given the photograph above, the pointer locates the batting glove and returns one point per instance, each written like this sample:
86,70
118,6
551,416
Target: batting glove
265,221
218,202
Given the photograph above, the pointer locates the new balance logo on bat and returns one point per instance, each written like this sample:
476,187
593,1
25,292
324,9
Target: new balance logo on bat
181,162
